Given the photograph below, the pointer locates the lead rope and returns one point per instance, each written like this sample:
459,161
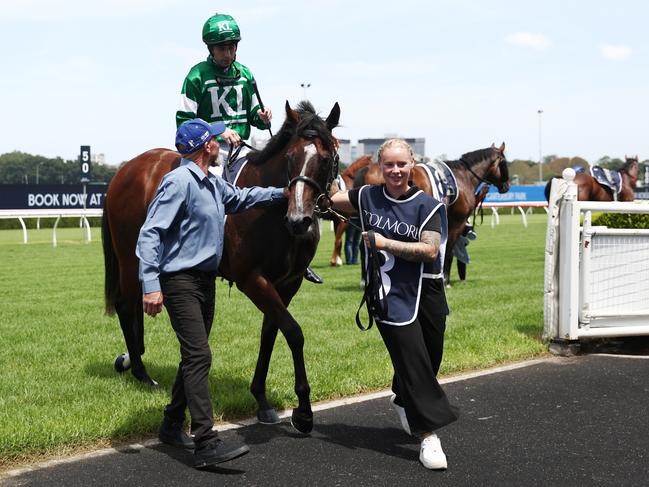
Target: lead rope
377,308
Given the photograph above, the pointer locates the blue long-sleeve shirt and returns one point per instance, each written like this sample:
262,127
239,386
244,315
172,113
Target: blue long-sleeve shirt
185,222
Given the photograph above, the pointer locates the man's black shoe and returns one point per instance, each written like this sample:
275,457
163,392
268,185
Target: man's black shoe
174,435
309,275
216,451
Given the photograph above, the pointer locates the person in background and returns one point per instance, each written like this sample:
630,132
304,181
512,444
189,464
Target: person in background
352,241
460,251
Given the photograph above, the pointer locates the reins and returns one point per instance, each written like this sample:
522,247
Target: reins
468,167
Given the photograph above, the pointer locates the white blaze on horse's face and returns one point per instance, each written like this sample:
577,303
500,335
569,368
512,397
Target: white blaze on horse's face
310,154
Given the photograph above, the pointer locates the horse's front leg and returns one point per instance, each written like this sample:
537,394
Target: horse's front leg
336,256
267,298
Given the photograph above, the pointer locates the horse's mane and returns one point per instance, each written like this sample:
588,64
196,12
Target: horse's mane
309,120
357,164
471,158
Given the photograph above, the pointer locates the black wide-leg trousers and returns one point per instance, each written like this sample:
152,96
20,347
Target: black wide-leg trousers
416,352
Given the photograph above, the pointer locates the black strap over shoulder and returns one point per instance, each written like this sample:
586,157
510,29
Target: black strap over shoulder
377,308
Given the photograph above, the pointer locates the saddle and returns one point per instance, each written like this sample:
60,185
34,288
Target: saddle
234,164
607,178
442,181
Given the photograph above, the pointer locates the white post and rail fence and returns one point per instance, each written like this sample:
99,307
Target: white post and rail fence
596,278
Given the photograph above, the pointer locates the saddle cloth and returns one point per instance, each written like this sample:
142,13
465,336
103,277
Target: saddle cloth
442,181
607,177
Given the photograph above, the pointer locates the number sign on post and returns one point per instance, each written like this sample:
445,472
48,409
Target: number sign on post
85,164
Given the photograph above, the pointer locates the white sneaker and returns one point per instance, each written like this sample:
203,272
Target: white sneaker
401,413
431,455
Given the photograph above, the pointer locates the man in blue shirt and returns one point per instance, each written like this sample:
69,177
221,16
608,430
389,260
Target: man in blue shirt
180,247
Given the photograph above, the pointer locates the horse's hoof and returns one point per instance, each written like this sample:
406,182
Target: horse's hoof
267,416
122,363
144,378
302,422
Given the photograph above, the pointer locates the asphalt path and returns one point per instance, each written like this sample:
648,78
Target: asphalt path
577,421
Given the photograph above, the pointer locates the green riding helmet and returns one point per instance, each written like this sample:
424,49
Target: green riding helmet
221,28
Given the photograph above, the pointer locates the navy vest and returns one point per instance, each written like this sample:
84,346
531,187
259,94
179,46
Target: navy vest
401,220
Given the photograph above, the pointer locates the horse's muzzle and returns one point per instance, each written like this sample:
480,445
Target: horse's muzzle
298,226
503,188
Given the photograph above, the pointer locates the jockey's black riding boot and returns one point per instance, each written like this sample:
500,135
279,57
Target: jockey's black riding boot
309,275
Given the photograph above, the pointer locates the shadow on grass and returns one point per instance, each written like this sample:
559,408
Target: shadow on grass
106,370
532,331
354,287
232,393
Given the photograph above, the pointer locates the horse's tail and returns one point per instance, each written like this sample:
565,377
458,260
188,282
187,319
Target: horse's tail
548,187
111,265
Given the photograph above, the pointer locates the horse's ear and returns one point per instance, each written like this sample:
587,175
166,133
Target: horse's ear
333,118
291,114
502,148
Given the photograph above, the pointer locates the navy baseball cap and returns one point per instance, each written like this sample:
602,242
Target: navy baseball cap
194,134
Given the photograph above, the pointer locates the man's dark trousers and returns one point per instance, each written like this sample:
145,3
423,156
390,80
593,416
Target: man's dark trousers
189,298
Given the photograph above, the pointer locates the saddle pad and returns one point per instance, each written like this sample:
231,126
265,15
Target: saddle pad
442,181
607,177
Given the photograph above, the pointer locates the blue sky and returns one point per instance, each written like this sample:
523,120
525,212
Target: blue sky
461,73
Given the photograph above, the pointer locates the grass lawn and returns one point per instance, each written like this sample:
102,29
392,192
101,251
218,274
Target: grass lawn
59,392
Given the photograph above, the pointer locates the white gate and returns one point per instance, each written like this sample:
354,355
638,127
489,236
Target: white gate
596,278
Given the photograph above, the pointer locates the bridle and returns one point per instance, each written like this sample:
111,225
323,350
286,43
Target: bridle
323,195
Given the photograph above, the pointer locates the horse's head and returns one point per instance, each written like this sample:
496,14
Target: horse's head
488,166
312,163
631,167
498,172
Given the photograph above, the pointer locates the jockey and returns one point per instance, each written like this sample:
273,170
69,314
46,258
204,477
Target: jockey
220,89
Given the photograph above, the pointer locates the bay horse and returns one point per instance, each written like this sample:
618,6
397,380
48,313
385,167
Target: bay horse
340,226
487,166
590,190
266,251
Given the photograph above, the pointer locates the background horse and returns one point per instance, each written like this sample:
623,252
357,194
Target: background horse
487,166
590,190
302,155
340,226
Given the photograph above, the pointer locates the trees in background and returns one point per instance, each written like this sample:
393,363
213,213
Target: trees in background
22,168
